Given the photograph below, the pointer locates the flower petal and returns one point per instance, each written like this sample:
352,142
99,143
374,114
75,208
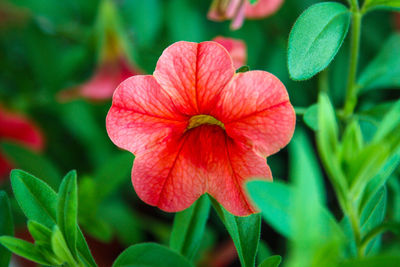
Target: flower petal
255,109
263,8
203,160
142,115
193,74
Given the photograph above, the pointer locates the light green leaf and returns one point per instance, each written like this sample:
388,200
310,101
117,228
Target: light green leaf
381,4
272,261
188,228
33,163
36,199
384,70
327,143
274,200
24,249
67,210
150,255
39,232
6,227
352,142
389,123
316,38
373,213
244,231
311,117
60,247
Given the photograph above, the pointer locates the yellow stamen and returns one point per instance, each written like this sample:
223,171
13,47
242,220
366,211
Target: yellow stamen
204,119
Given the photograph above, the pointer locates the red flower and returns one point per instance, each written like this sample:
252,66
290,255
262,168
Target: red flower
238,10
195,127
236,48
15,127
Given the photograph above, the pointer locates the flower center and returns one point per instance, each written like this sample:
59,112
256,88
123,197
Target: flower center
203,119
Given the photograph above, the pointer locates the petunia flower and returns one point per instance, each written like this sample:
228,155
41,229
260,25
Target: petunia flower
236,48
198,127
17,128
238,10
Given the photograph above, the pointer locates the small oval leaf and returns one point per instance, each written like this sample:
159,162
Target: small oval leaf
316,38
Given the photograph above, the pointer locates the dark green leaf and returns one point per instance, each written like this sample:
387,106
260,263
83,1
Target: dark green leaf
188,228
243,69
24,249
84,251
33,163
381,4
67,210
263,251
316,38
244,231
6,227
311,117
384,70
36,199
150,255
272,261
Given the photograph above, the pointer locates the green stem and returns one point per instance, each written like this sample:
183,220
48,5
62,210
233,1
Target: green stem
351,91
323,81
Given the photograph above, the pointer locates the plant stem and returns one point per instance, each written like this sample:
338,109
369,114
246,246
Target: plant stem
351,91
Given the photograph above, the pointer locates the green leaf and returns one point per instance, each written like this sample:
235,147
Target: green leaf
84,251
32,162
107,179
60,247
6,227
150,255
274,200
373,213
24,249
188,228
311,117
327,143
381,4
39,232
67,211
272,261
316,38
36,199
352,142
243,69
244,231
253,2
142,19
124,221
384,70
389,123
263,251
379,260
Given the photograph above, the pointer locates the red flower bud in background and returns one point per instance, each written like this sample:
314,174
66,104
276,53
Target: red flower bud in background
238,10
236,48
114,65
17,128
